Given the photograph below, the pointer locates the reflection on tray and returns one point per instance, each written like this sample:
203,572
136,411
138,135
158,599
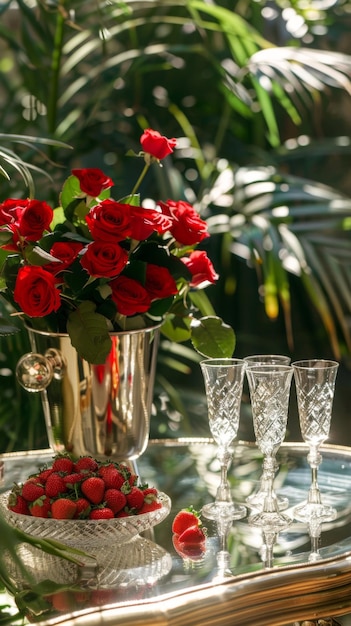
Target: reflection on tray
301,542
109,574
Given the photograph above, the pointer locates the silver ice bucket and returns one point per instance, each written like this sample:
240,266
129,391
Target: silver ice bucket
98,410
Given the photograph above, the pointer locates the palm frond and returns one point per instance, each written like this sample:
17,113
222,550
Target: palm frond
283,224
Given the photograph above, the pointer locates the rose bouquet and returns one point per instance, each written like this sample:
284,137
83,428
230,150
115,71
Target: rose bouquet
94,264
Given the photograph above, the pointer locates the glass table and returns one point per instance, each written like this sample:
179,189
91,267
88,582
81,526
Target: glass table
241,578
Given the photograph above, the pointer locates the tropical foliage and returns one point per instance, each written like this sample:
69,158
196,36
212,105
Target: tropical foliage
258,99
258,95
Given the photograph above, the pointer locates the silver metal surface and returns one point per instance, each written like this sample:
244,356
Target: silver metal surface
100,410
293,589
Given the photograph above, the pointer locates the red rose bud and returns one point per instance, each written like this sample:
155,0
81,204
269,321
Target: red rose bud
109,221
188,228
104,259
92,181
26,218
144,222
65,253
156,144
159,282
130,296
201,268
35,291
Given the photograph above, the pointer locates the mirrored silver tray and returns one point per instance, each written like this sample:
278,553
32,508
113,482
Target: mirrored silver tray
303,578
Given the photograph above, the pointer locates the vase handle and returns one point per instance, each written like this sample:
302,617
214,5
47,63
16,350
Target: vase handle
35,372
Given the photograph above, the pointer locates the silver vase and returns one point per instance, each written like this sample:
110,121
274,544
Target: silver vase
98,410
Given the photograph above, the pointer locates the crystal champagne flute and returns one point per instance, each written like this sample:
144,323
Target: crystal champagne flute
315,385
223,384
269,387
256,499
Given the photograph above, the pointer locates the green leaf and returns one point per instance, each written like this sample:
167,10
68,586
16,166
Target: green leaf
5,236
212,338
70,191
176,328
37,256
89,334
133,200
160,307
202,303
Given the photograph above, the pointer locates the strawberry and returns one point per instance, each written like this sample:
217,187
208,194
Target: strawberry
63,508
192,552
63,463
83,508
150,491
103,513
115,499
148,507
81,596
55,485
150,495
135,498
17,504
112,478
192,536
184,519
62,601
73,479
40,507
44,475
122,513
86,464
132,479
32,491
102,597
93,488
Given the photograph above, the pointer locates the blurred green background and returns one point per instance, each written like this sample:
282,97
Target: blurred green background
258,96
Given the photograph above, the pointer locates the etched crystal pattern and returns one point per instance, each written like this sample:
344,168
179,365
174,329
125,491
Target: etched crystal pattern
269,401
223,399
315,408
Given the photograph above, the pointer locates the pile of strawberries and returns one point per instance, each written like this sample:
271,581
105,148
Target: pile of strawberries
83,489
189,537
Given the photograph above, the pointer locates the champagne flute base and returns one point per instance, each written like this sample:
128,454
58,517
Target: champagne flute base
256,500
220,510
270,521
314,511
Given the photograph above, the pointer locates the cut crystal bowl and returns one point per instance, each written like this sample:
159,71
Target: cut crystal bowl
86,532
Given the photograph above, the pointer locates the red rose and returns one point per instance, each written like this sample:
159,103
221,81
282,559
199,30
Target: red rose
65,252
8,210
144,222
92,181
104,259
35,291
201,268
157,145
130,296
26,218
159,282
188,228
109,221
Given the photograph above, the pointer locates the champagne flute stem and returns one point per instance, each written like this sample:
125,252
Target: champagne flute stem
270,501
314,459
314,495
269,539
223,491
